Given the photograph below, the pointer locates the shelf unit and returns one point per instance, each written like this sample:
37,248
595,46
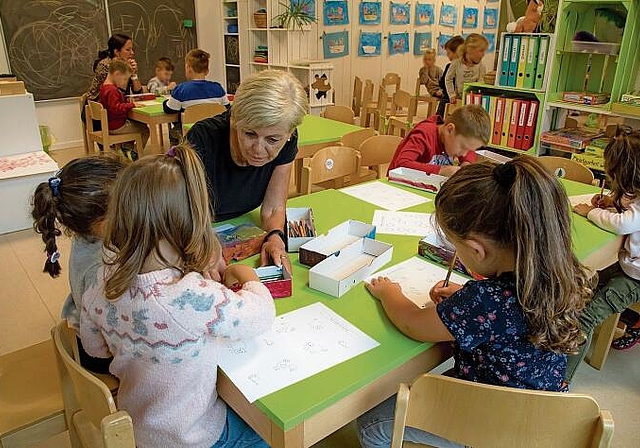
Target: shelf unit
231,42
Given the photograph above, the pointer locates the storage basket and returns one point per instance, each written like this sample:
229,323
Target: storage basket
260,18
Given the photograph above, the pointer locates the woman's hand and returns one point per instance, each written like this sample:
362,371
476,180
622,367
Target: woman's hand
439,292
583,209
382,288
274,252
134,66
239,273
602,201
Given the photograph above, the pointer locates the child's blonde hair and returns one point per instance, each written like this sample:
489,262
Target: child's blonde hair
473,41
429,52
622,165
198,60
158,198
471,121
520,206
119,66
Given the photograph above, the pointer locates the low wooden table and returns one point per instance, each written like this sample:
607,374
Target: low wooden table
153,116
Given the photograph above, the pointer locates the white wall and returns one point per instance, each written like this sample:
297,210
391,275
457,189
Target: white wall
63,116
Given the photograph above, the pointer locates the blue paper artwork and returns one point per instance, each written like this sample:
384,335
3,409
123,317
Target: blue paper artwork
369,44
398,43
448,16
469,17
425,14
370,13
490,18
422,42
336,12
443,39
335,45
308,6
491,37
399,14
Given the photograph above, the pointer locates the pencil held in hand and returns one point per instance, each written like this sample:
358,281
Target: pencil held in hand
451,265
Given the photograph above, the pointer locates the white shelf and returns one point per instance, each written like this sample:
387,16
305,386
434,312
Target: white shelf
231,18
258,29
231,34
262,64
582,108
232,65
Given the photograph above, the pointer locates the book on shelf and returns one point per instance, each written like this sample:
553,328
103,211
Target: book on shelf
541,66
570,139
523,60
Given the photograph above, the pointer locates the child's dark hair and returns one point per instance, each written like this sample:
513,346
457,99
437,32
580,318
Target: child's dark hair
622,165
198,60
159,198
453,43
115,42
76,198
520,205
165,64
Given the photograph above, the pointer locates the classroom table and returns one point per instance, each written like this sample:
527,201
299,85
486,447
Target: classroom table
308,411
153,116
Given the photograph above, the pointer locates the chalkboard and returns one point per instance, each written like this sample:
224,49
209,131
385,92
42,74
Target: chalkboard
159,28
52,44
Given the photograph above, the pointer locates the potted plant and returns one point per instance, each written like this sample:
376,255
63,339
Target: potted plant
296,15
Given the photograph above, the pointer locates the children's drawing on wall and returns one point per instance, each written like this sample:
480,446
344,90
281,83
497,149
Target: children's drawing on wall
491,37
306,6
398,43
399,14
369,44
370,13
335,45
425,14
469,18
336,12
490,18
422,42
321,88
442,40
448,16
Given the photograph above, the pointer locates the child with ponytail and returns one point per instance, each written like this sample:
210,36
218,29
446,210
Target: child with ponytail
161,318
618,212
467,67
75,199
511,224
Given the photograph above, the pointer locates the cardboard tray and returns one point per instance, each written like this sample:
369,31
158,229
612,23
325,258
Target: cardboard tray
417,179
433,248
299,214
337,274
323,246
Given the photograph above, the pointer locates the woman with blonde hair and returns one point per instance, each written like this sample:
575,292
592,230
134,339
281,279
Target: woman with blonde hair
248,153
467,67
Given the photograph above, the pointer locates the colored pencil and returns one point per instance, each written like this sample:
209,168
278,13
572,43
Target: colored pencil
451,265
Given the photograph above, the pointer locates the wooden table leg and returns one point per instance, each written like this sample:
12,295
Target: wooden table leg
153,140
161,135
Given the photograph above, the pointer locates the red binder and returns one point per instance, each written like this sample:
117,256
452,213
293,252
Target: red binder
468,98
530,126
477,99
522,122
497,127
513,126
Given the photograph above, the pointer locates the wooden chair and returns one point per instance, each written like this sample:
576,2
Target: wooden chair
83,103
356,100
332,163
480,415
95,111
602,338
90,411
197,112
449,108
355,138
377,110
338,113
419,95
376,153
390,80
567,169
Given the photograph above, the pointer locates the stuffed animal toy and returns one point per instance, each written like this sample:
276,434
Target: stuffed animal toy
529,22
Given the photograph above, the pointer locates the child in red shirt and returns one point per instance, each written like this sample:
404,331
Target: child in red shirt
433,145
112,99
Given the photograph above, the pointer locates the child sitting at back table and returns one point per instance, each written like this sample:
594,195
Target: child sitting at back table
619,212
118,108
76,198
433,146
196,90
161,84
430,73
160,317
467,67
514,328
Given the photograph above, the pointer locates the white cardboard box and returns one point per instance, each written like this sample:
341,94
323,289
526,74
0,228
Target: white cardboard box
19,177
316,250
19,132
485,154
337,274
417,179
299,214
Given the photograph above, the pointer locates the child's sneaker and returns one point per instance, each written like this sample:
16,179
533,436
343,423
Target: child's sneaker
630,338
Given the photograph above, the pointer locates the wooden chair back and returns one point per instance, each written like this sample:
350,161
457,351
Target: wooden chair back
418,92
480,415
390,80
197,112
567,169
332,163
450,108
356,100
401,101
367,92
95,112
355,138
339,113
90,411
83,103
377,151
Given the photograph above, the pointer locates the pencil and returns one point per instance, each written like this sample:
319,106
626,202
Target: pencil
451,265
601,193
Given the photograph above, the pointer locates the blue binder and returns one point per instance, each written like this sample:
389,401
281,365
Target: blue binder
504,60
514,58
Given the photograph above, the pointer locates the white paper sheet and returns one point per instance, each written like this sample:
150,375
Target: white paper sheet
403,223
385,196
300,344
581,199
147,103
416,278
